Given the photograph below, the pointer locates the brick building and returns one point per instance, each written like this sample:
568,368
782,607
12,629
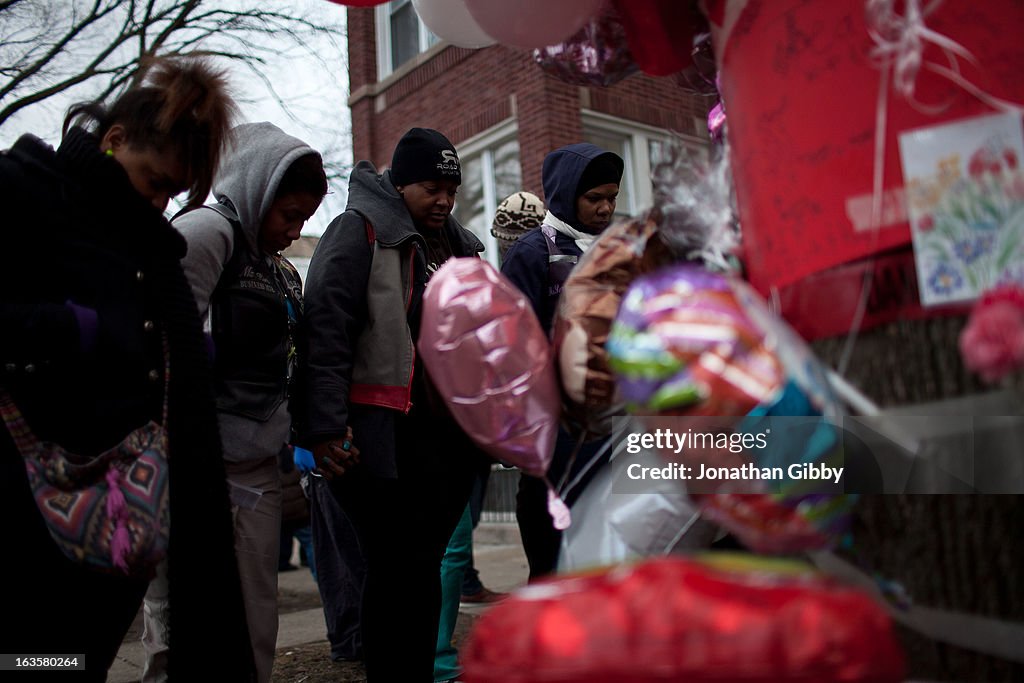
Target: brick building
502,111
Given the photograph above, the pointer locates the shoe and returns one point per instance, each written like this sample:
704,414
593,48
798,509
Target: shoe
287,568
483,596
346,658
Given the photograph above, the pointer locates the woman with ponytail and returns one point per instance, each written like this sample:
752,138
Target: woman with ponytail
96,331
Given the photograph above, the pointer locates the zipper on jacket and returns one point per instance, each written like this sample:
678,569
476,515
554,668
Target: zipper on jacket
408,305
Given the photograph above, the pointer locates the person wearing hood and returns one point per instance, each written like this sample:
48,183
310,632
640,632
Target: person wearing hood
268,186
364,384
581,184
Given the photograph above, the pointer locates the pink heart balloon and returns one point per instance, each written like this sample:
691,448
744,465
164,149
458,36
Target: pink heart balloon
490,361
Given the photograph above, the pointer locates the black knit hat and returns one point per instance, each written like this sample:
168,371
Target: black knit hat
424,154
602,169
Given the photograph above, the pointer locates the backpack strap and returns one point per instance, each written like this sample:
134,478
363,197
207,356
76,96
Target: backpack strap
559,264
216,310
228,212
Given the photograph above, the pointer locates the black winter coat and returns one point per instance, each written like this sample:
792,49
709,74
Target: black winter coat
77,232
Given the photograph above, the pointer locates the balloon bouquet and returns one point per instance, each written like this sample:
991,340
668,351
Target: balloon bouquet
646,327
638,330
700,618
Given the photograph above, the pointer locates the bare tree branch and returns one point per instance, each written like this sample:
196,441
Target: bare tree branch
178,22
91,70
51,55
108,38
94,15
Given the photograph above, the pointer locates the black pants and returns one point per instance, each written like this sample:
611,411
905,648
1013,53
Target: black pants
52,606
404,526
471,581
340,571
541,541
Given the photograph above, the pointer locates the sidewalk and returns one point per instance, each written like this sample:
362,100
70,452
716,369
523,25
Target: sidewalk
498,555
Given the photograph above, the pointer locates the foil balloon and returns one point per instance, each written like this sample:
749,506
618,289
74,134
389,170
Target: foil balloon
688,342
488,358
532,23
450,20
589,301
776,523
682,345
597,54
713,618
716,122
699,78
661,32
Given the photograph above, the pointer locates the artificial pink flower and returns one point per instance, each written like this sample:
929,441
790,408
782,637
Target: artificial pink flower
992,344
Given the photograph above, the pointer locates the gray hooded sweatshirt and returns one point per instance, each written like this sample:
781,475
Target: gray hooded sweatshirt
249,175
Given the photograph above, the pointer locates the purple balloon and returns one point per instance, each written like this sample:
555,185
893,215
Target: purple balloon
598,54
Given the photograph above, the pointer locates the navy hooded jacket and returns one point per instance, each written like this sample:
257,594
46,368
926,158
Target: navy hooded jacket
526,263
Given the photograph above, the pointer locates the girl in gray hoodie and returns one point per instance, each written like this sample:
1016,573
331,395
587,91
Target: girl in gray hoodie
250,298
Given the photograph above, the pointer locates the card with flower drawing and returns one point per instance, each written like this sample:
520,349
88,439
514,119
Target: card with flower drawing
965,198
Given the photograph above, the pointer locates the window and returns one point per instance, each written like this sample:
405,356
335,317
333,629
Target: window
400,36
490,172
641,147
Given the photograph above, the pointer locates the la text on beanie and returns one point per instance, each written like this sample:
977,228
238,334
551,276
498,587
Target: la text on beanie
424,154
602,169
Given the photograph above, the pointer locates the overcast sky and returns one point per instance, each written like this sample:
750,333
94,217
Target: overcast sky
313,81
318,96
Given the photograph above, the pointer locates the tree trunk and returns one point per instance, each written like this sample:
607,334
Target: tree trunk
959,552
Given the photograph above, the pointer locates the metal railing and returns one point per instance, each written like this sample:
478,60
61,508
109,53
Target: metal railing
500,497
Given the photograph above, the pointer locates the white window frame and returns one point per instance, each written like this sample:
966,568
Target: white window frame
638,164
383,27
484,144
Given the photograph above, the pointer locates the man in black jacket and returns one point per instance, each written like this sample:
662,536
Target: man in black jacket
397,462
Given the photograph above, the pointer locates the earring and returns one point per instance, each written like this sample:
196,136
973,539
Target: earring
109,152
